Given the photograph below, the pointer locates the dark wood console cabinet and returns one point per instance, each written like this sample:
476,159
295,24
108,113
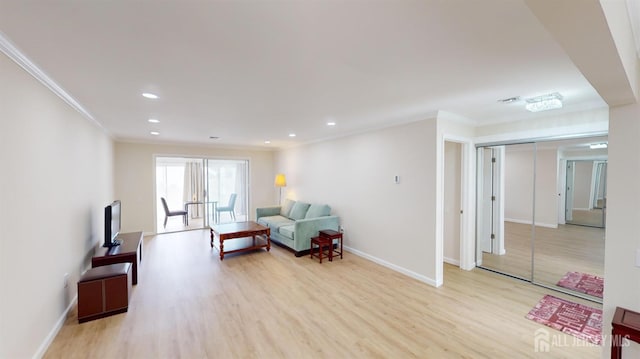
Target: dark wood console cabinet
130,250
104,291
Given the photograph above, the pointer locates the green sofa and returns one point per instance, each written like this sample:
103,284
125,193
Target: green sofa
295,222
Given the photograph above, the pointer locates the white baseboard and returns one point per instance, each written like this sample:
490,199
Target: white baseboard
54,331
394,267
455,262
540,224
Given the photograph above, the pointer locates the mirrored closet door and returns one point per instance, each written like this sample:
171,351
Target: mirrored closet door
505,178
541,213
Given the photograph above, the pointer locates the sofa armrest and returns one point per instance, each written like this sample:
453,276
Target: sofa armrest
307,228
267,212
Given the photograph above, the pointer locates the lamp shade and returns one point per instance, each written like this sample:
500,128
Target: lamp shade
281,180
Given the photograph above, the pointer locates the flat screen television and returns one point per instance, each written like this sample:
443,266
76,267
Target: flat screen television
111,224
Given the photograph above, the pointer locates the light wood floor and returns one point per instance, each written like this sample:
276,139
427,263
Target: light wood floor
557,251
593,217
189,304
175,224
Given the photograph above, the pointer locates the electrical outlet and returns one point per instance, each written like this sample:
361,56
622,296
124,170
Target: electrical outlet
341,229
66,280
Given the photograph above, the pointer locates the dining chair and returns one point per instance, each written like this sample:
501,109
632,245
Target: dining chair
168,213
229,207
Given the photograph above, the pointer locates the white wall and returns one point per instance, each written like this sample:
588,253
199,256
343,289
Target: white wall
55,180
393,224
135,181
547,187
582,184
584,122
622,277
518,183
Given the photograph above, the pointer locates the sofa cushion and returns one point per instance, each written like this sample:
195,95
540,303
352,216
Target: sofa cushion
286,207
287,230
299,210
318,210
274,222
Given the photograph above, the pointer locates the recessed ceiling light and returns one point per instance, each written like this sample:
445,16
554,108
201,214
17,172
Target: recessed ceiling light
292,135
149,95
595,146
267,142
331,123
153,120
155,133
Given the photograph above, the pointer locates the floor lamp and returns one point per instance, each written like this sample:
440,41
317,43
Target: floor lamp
281,181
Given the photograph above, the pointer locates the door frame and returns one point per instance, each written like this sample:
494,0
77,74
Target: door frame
155,156
467,197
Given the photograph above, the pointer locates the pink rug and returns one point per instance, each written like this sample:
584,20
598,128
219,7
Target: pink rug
572,318
583,283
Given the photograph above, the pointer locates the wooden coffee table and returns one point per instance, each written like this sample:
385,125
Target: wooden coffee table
248,236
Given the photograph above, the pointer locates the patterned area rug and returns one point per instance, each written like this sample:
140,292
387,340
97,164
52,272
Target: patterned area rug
583,283
572,318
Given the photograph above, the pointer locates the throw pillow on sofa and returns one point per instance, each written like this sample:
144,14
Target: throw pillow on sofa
286,207
299,210
318,210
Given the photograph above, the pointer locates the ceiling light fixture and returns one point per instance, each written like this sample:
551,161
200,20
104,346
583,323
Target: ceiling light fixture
595,146
551,101
331,123
292,135
267,142
155,133
153,120
149,95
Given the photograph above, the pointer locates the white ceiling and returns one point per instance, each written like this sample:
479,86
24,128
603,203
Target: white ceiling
250,71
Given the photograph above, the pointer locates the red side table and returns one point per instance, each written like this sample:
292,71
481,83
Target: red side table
626,324
331,235
321,243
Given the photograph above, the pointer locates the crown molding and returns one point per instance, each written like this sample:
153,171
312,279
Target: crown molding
32,69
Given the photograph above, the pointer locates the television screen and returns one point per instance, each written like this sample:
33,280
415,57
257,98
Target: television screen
111,224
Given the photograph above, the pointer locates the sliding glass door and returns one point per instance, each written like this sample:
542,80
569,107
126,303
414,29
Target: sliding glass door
227,180
193,193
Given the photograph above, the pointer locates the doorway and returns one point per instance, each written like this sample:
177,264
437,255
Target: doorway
193,190
452,202
586,192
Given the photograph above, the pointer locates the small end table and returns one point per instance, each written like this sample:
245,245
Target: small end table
320,243
331,235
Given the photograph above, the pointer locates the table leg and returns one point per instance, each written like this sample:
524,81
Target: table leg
331,250
616,349
221,248
212,238
268,242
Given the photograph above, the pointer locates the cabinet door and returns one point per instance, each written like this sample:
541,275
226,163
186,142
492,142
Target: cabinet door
90,298
116,296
